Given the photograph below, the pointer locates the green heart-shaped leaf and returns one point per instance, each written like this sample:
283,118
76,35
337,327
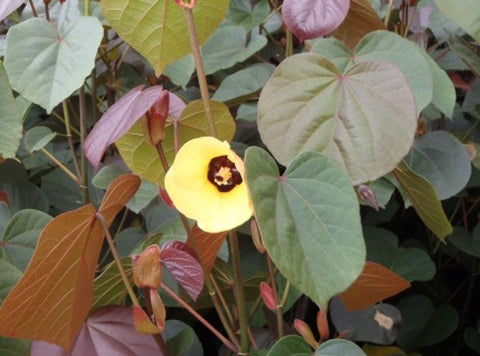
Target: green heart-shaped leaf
157,28
364,118
310,222
47,64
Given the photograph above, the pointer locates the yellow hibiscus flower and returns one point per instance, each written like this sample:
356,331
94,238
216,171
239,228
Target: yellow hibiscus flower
207,183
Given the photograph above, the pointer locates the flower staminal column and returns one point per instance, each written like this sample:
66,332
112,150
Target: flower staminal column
206,183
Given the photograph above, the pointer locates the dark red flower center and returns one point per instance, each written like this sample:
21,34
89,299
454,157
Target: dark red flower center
223,174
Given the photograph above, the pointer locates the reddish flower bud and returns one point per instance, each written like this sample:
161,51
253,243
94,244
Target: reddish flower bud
166,198
421,127
367,196
257,237
471,150
186,3
322,325
267,295
158,309
153,122
142,322
147,269
4,197
157,115
304,330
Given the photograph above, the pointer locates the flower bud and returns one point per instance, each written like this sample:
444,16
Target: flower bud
4,197
304,330
322,325
471,150
267,295
142,322
367,196
165,197
158,309
147,269
153,123
186,3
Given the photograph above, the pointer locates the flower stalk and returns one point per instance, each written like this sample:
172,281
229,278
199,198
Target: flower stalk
239,291
202,79
192,311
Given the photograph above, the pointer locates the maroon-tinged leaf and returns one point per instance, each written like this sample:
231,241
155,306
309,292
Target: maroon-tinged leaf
118,119
313,18
206,245
9,6
361,19
109,331
179,260
52,299
375,284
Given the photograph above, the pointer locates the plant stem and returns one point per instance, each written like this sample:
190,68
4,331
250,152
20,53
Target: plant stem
202,79
192,311
34,10
94,95
278,306
66,115
389,12
83,135
289,44
239,292
222,299
61,165
74,130
285,293
86,10
47,11
117,259
409,19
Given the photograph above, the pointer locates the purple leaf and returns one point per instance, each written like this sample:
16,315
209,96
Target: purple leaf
9,6
314,18
178,258
118,119
109,331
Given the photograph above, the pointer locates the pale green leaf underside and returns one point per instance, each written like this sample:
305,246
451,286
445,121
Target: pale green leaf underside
229,45
309,220
45,64
424,199
339,347
463,12
389,47
442,159
364,118
244,82
157,28
10,119
20,236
